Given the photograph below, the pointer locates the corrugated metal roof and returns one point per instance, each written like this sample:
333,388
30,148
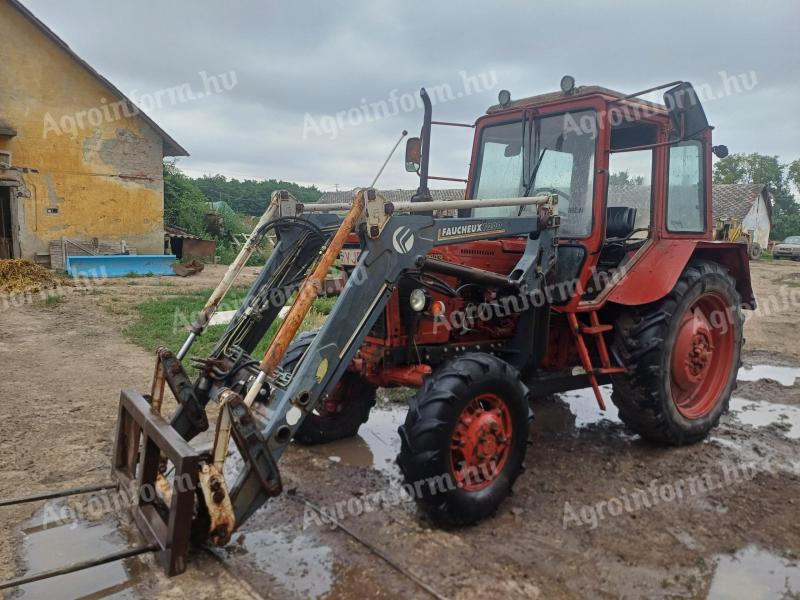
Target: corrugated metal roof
177,232
171,147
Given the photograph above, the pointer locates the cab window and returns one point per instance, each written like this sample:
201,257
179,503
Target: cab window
686,206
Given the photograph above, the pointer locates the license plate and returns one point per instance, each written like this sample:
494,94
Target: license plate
349,256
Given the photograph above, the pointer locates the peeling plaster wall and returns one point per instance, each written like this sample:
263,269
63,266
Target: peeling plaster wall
82,176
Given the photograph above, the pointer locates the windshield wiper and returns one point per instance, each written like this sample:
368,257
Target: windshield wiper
528,187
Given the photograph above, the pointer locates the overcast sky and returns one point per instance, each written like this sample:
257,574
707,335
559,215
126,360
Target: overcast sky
292,66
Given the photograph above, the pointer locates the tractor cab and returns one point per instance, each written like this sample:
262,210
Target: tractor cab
627,172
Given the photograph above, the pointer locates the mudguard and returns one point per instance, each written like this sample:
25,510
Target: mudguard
656,273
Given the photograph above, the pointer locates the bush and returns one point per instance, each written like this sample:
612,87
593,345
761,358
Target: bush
184,204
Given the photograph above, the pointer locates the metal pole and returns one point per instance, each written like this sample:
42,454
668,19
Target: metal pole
87,564
405,206
59,494
388,158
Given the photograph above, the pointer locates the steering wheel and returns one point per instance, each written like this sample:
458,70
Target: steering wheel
552,190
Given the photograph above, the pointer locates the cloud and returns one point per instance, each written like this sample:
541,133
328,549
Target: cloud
316,58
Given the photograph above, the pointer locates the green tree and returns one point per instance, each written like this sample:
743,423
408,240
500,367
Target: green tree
185,206
783,227
794,174
624,178
251,196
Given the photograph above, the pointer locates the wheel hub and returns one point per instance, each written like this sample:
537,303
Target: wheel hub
700,358
480,442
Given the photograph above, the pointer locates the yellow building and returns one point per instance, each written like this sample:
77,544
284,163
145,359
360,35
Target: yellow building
77,159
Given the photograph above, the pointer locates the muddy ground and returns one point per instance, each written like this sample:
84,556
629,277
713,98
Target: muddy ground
722,521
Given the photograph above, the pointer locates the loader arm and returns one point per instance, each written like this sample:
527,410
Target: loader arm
400,247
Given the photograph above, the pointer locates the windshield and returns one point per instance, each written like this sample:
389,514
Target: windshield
551,154
795,239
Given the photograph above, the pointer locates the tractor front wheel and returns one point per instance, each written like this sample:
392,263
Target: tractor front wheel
342,413
464,438
683,355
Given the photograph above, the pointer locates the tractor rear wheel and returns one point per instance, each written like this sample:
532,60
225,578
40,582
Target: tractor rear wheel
683,355
464,438
345,409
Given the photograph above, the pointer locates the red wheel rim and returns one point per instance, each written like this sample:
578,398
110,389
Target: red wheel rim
481,442
702,356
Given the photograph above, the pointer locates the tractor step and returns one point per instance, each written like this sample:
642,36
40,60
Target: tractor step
595,329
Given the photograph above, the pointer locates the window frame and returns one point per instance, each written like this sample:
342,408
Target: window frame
653,185
703,188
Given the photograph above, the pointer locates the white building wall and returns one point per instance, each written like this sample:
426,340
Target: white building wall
757,222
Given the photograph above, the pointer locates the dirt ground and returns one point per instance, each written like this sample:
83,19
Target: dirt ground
597,512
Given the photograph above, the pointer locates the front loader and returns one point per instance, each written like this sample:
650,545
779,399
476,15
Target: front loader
261,404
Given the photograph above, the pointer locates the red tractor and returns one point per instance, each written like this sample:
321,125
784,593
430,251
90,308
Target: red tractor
582,255
641,296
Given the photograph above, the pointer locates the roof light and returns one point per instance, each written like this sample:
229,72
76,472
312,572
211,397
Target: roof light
567,84
504,98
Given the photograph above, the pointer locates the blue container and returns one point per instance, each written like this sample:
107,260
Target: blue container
120,265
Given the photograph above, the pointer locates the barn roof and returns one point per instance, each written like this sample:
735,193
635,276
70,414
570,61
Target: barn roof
171,147
734,200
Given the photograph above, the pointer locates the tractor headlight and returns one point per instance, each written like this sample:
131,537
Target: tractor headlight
418,300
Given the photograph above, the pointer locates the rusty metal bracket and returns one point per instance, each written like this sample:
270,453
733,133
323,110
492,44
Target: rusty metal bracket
183,389
142,438
222,521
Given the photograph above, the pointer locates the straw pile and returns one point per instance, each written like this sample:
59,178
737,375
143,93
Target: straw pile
20,276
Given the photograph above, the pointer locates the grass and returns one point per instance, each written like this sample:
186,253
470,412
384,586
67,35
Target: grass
53,300
162,322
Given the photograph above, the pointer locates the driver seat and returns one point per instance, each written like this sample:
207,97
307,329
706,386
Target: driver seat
620,224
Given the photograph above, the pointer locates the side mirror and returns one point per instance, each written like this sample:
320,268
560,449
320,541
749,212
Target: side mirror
720,151
685,111
413,154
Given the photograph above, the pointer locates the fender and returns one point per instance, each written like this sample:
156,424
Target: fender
733,256
656,272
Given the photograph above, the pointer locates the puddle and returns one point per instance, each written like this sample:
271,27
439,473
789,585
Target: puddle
376,446
754,573
583,404
763,414
49,543
299,563
726,443
783,375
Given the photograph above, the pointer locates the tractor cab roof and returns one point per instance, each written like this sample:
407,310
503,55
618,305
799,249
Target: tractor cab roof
578,92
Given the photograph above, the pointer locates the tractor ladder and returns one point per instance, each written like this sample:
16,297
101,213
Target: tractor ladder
596,330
